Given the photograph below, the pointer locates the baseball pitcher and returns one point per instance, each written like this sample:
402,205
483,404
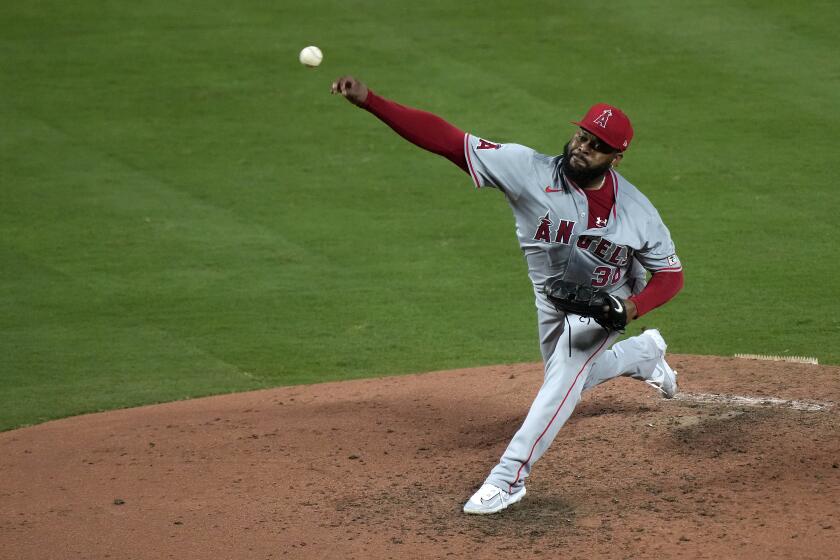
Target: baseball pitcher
589,238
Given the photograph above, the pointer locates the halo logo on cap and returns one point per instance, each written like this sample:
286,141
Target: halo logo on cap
603,118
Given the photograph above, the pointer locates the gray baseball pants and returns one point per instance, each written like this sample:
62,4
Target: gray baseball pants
578,355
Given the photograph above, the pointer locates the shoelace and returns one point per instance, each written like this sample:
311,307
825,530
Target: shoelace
569,326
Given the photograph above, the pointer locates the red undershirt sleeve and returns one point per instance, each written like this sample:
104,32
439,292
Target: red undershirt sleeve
423,129
662,287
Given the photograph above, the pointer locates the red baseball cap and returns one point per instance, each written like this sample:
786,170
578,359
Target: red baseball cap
608,123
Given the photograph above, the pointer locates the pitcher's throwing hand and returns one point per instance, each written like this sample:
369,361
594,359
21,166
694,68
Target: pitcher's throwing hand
355,91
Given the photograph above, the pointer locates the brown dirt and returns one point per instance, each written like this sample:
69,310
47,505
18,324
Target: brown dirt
380,468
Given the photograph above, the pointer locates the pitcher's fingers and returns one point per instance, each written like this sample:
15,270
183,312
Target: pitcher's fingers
336,85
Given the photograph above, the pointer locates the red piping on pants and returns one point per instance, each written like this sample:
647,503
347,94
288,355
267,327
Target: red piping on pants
510,488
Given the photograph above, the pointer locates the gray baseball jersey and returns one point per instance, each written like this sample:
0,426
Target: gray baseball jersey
552,221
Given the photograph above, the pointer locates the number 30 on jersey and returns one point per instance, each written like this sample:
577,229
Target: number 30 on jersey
605,274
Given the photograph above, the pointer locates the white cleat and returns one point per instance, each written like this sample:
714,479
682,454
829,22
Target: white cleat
490,499
664,378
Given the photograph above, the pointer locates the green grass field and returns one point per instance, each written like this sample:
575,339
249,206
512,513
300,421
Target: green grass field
185,210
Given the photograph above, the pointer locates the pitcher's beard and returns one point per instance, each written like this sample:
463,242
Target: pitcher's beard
583,176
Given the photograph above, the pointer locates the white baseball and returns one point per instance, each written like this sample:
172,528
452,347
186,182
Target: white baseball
311,56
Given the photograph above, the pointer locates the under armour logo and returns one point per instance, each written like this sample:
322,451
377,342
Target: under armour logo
600,222
603,118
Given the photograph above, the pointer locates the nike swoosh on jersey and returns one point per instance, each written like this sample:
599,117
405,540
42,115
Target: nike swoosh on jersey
549,189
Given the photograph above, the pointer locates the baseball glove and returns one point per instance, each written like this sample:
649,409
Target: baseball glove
569,297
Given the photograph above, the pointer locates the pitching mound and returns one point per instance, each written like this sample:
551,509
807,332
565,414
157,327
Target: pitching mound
381,468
